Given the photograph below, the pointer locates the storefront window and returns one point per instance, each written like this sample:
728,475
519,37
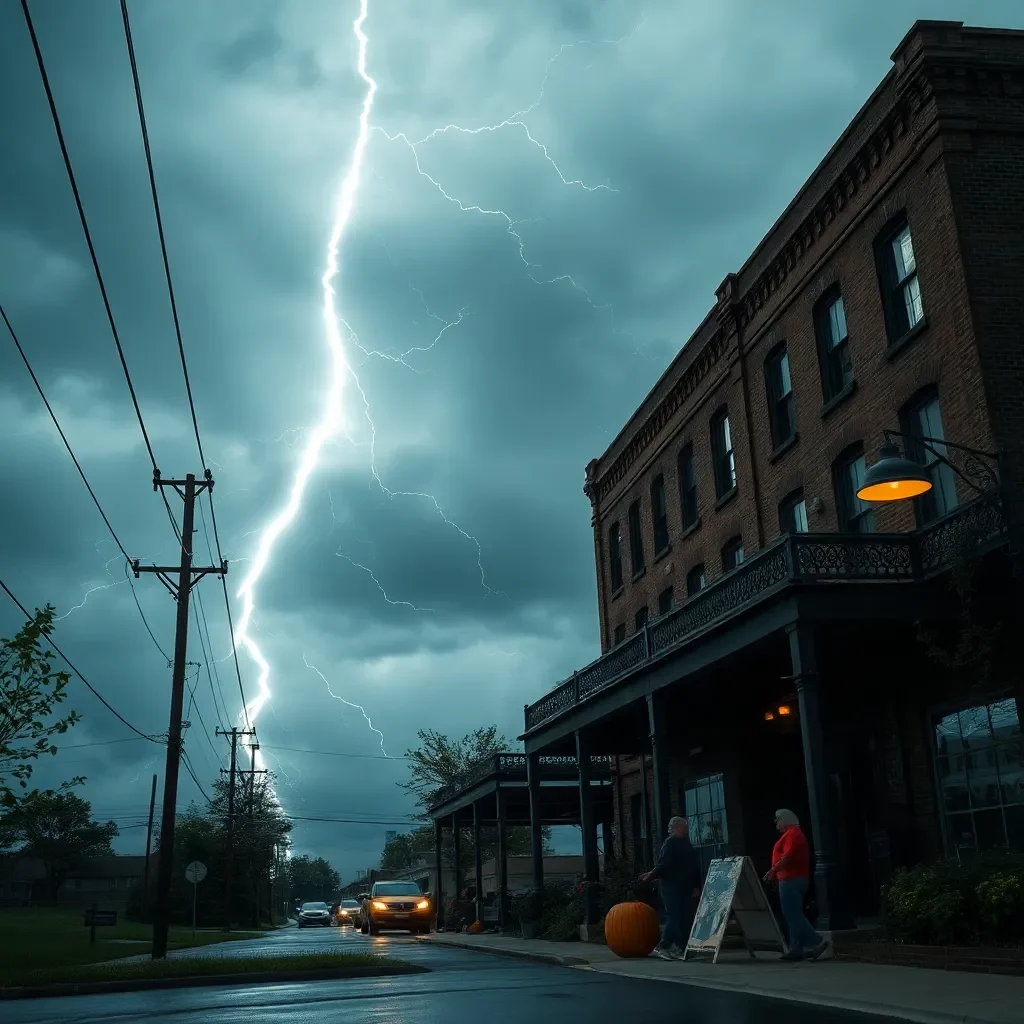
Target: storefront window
980,770
704,800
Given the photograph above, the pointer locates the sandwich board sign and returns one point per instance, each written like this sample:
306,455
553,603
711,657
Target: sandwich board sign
732,891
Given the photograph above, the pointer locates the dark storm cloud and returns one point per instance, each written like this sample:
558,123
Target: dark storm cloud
705,122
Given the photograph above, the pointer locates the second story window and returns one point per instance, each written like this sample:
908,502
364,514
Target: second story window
619,635
732,554
640,620
781,412
721,450
855,516
615,555
636,538
793,513
665,600
833,344
696,580
897,271
659,514
687,487
923,418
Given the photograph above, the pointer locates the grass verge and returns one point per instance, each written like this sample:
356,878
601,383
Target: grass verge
339,964
39,937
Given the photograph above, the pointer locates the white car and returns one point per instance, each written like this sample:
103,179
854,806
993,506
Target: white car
312,915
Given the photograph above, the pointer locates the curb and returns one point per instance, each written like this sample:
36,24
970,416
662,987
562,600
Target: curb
75,988
854,1005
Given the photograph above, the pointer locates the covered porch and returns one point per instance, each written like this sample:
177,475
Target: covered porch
508,790
793,681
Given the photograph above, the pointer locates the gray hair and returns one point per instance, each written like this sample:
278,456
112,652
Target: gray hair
675,822
786,817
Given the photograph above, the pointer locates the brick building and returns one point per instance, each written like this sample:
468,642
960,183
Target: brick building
759,623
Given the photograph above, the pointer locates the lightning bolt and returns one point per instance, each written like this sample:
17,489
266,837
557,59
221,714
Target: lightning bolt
90,591
348,703
369,572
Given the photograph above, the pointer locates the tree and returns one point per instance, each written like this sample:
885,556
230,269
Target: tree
312,880
30,690
59,830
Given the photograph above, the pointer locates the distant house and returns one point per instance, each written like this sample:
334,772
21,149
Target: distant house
104,880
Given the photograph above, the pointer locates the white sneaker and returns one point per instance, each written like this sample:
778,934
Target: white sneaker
663,954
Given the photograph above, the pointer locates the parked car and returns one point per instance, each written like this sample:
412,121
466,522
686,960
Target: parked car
313,915
347,912
395,905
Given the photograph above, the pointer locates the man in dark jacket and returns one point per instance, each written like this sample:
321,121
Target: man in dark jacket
678,870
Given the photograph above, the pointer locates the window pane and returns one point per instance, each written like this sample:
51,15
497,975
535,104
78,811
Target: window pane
837,322
691,803
960,835
1010,765
704,799
800,517
988,827
726,434
912,302
1015,828
785,386
903,255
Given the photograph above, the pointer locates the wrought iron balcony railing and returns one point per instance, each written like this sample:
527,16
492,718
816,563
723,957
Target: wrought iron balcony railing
509,767
821,558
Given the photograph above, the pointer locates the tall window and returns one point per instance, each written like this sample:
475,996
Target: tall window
704,800
665,600
897,271
732,554
639,829
659,513
687,487
833,344
615,555
696,580
793,513
721,450
636,538
640,619
980,770
619,635
781,411
923,418
855,516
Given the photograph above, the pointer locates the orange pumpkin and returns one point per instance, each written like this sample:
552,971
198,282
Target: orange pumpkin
475,928
631,930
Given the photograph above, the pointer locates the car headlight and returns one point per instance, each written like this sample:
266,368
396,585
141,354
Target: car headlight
423,905
343,913
378,905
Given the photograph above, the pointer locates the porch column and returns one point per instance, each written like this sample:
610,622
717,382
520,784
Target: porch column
645,815
829,880
608,842
659,764
589,829
457,841
439,867
478,859
499,797
536,829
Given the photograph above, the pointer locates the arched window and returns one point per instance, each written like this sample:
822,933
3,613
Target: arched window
833,344
615,555
855,516
659,514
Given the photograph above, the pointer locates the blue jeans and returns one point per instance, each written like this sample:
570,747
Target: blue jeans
802,937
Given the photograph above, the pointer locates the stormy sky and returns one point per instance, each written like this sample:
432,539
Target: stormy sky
683,130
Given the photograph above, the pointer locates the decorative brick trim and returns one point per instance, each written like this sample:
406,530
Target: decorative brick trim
828,278
928,374
852,432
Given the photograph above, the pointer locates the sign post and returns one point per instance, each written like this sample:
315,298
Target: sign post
99,918
195,873
732,891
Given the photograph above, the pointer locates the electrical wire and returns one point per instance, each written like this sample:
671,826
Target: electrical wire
188,767
117,714
337,753
85,228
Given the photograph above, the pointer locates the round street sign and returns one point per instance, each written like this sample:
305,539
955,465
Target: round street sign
195,872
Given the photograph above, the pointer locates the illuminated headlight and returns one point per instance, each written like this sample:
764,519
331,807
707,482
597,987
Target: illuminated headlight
423,905
343,913
378,905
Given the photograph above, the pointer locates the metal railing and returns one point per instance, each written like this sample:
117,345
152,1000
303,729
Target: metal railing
803,558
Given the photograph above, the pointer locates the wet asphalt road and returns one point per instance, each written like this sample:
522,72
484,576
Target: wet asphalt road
462,985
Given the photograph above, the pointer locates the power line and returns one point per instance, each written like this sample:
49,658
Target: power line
160,221
101,743
85,227
89,685
188,767
81,472
337,753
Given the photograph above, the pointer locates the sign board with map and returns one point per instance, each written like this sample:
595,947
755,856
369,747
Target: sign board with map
732,891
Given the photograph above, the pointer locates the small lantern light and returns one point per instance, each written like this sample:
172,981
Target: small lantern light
784,710
769,715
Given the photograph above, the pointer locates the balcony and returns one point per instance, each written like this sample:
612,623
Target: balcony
818,559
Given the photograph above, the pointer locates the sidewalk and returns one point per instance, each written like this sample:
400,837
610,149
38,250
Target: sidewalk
907,993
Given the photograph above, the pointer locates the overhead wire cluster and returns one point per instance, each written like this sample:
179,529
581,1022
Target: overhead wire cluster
205,641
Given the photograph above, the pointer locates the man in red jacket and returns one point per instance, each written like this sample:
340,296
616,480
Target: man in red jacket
791,868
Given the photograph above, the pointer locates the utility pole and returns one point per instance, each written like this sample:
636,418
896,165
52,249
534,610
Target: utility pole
234,733
188,489
149,840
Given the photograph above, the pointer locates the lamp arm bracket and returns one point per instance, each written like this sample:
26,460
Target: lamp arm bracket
976,462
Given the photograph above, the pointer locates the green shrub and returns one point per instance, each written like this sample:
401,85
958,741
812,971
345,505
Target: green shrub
981,902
